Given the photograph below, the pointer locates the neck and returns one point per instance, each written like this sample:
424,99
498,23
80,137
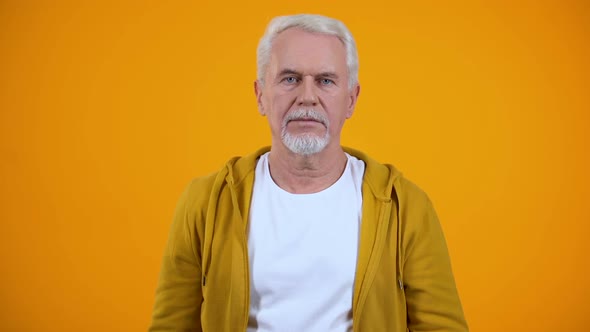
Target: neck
300,174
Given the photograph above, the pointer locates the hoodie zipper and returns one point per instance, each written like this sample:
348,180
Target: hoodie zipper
374,259
246,263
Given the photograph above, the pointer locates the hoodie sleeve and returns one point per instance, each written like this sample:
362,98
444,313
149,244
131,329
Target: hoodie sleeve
178,295
431,295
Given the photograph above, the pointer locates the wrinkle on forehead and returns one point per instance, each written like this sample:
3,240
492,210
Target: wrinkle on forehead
307,53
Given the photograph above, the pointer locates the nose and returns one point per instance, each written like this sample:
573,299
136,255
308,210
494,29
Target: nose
308,94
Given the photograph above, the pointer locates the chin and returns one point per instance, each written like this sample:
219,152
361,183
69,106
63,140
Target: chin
306,144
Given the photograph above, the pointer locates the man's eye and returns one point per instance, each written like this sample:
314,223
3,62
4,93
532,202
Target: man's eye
290,79
326,81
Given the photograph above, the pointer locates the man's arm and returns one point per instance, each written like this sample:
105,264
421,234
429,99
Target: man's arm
178,296
431,295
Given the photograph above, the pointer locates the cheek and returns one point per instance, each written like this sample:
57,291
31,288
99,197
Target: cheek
281,102
339,112
281,96
338,104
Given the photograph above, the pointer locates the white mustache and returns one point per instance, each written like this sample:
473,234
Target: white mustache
302,114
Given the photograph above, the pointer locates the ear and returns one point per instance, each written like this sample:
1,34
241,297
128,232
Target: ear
353,96
258,93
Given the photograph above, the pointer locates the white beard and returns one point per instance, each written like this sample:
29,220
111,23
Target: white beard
305,144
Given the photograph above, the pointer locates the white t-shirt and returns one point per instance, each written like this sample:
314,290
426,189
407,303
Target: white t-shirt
303,252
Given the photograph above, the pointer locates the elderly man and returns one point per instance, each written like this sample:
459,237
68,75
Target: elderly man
306,235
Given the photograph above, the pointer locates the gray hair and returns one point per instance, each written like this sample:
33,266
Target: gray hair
314,24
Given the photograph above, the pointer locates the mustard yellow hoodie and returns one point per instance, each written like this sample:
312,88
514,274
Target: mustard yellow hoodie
403,279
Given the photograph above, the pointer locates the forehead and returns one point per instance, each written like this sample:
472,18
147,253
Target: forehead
308,52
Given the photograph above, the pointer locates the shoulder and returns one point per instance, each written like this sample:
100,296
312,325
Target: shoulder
385,179
195,197
417,216
237,171
410,194
199,186
387,182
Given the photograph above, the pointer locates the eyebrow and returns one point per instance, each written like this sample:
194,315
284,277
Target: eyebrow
328,74
288,71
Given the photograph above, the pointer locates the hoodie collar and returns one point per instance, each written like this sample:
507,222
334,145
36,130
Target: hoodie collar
239,168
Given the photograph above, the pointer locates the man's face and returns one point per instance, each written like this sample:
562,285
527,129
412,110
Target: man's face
305,94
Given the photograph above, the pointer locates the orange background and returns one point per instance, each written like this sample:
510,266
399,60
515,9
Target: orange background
107,110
